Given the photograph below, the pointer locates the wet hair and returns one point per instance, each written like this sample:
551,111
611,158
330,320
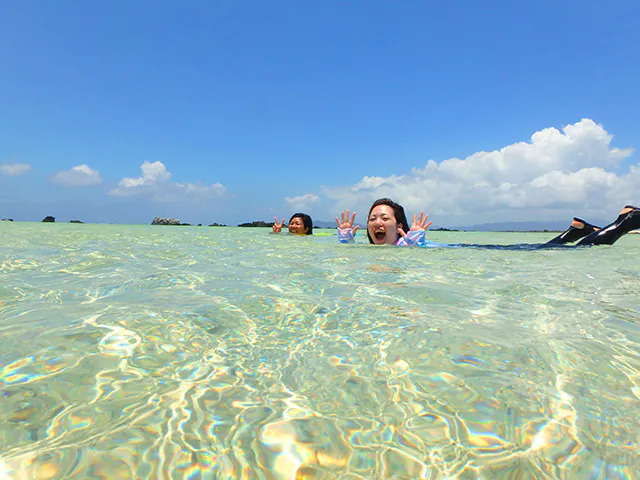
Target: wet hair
398,212
306,221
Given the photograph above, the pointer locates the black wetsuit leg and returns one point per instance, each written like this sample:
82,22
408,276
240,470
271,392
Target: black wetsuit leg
573,234
612,232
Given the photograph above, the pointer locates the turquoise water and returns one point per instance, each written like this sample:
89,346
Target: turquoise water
186,352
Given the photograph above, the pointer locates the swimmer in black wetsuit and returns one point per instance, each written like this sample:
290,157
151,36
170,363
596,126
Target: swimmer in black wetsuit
577,230
628,220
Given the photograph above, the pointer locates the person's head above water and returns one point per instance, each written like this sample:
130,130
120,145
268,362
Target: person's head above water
385,219
387,224
301,224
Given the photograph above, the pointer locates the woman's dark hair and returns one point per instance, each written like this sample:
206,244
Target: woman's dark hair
398,212
306,221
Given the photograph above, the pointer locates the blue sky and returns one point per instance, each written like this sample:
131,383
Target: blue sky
227,112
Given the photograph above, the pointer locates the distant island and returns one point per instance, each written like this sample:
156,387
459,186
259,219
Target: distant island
515,227
50,219
258,223
169,221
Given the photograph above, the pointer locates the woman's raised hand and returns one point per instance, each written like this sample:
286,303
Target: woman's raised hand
419,224
345,224
277,227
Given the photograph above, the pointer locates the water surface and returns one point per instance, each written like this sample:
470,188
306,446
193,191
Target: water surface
195,352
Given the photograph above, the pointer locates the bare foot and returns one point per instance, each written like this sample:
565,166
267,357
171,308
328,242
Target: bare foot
577,224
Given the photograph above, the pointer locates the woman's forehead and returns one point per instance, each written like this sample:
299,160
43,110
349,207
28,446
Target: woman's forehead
382,209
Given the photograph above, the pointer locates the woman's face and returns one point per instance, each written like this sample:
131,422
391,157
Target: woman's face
296,226
382,225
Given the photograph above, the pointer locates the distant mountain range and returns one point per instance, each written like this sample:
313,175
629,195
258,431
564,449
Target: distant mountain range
321,224
517,227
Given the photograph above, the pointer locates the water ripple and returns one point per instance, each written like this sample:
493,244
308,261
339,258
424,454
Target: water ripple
143,352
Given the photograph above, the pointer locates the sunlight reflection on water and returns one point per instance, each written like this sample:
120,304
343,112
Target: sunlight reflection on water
153,352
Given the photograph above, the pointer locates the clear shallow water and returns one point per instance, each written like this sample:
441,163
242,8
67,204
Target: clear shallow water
186,352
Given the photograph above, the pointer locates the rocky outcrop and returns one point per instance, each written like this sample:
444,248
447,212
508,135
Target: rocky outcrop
7,219
259,223
214,224
49,219
75,221
168,221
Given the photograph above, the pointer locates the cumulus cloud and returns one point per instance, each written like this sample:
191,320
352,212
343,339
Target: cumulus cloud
155,183
152,174
14,169
556,173
78,176
303,202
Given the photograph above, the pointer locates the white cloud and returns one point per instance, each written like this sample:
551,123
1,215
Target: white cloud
152,174
14,169
78,176
216,189
303,202
155,183
556,174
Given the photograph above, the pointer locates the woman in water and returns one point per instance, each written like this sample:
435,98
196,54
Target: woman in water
387,224
299,224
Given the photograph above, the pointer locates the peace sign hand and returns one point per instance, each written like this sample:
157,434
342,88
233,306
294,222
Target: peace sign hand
277,227
345,224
